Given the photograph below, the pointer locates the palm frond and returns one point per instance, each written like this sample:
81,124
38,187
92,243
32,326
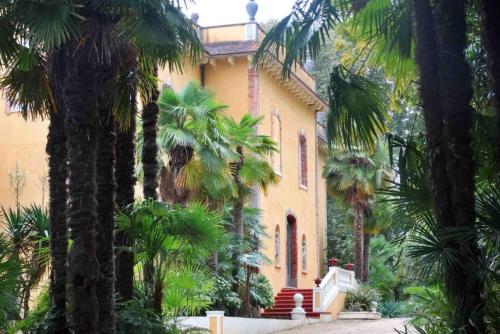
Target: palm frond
26,84
358,110
49,23
299,35
387,27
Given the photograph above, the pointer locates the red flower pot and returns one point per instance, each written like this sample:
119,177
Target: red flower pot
317,281
349,266
333,262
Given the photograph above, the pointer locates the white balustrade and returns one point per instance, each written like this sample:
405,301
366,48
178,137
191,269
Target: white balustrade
336,280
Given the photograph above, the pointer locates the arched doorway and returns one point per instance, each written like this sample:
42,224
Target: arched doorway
291,251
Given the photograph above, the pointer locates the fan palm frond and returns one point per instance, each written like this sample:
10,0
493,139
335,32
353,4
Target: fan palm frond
26,84
387,27
299,35
358,110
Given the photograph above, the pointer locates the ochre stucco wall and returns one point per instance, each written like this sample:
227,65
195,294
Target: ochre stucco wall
233,32
338,305
230,85
287,196
22,141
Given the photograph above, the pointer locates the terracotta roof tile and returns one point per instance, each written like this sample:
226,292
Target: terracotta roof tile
228,48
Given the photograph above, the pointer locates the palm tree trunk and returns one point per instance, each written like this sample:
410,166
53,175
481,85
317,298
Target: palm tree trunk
464,287
179,157
366,255
238,228
358,243
80,100
428,62
125,191
491,17
58,173
105,214
150,149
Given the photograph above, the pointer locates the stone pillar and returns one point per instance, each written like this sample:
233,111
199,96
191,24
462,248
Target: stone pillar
216,322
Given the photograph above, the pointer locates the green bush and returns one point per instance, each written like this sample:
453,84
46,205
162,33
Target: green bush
362,299
37,320
223,298
261,292
392,309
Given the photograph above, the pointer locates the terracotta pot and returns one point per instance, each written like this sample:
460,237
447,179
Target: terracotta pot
317,281
333,262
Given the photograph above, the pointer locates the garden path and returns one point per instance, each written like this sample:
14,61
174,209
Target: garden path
382,326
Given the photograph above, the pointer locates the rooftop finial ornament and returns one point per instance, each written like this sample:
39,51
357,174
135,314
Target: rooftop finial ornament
252,8
195,17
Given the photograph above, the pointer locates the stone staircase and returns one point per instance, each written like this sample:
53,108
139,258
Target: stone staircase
284,304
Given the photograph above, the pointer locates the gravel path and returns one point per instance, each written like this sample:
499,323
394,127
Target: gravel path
382,326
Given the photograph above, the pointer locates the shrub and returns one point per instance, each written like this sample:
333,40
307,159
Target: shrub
391,309
37,320
223,298
261,292
362,299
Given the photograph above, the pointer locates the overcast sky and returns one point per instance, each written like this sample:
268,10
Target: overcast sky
216,12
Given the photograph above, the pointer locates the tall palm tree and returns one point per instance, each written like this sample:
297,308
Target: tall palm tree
34,82
105,197
455,84
353,177
125,185
165,40
58,174
191,142
249,169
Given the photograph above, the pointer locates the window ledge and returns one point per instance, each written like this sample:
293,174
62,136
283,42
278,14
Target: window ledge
303,187
277,266
304,272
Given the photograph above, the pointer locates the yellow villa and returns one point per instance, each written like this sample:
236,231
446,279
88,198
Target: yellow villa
293,211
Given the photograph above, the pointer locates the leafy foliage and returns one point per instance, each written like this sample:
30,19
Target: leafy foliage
358,110
361,299
166,238
261,292
27,244
38,320
224,298
300,34
9,284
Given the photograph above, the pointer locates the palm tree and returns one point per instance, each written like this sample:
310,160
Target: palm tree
24,20
166,236
58,174
249,169
455,84
353,177
189,137
25,231
125,186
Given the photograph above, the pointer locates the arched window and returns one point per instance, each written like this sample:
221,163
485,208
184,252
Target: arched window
277,240
302,159
304,253
276,136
